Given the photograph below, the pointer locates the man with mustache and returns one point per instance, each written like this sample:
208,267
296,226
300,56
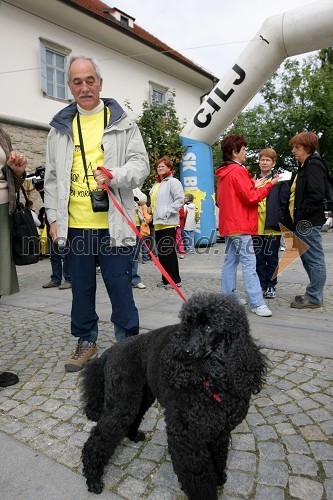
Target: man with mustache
89,133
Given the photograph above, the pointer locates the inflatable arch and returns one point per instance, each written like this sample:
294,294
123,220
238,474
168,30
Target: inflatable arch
287,34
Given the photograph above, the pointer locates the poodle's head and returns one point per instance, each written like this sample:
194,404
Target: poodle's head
208,321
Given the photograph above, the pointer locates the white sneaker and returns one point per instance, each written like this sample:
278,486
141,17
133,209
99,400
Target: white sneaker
262,311
141,286
242,301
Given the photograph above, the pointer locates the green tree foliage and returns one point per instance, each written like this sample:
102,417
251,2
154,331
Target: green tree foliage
160,128
298,97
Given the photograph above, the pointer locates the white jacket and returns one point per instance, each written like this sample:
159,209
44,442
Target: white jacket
124,155
189,211
169,200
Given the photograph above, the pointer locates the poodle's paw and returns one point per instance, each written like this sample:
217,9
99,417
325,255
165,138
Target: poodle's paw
137,437
222,479
95,486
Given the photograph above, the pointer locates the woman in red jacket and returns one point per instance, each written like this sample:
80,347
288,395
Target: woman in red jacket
238,199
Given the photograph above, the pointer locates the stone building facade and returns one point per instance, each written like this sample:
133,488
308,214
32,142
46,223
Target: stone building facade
30,140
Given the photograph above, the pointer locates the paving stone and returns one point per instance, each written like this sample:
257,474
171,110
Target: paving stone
265,492
141,468
328,468
153,452
161,493
289,409
273,473
239,484
242,460
319,414
302,464
304,489
132,488
300,419
285,429
243,442
271,451
321,451
312,432
297,377
328,487
296,444
264,432
308,404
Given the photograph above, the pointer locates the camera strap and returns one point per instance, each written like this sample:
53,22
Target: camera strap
83,154
133,227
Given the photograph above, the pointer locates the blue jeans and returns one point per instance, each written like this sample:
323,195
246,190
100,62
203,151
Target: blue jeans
313,261
188,239
240,249
85,247
59,265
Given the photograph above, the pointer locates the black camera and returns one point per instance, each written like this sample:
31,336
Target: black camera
38,178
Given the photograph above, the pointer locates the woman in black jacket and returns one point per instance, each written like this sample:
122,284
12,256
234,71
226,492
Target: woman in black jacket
271,212
308,216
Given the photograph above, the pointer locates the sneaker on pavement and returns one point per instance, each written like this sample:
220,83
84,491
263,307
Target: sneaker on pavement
65,286
270,293
141,286
182,256
262,311
84,352
50,284
242,301
304,303
282,249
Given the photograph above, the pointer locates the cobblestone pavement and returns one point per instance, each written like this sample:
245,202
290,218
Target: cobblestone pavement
283,450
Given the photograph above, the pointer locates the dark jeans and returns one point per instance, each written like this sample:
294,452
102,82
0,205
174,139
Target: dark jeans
85,247
166,251
59,265
266,249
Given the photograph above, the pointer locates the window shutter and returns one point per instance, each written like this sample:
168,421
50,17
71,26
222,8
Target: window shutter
42,59
68,93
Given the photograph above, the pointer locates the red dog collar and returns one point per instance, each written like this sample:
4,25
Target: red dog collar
217,397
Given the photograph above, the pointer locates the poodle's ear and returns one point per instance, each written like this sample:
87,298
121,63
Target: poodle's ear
246,366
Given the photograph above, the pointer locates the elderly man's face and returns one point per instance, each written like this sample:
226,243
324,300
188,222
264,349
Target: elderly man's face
85,84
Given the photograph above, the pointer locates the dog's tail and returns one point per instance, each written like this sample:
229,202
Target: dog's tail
92,385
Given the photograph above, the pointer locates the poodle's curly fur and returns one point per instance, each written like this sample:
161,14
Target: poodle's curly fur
202,371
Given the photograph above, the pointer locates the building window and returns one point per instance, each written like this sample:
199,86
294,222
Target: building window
53,79
159,95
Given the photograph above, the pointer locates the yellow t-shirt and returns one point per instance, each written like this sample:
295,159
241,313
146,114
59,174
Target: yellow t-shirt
292,199
80,211
262,217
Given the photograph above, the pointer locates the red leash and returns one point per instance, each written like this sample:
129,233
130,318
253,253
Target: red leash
133,227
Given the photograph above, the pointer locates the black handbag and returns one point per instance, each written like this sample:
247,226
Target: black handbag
25,238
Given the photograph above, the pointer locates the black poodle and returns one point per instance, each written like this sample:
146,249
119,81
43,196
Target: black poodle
202,371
